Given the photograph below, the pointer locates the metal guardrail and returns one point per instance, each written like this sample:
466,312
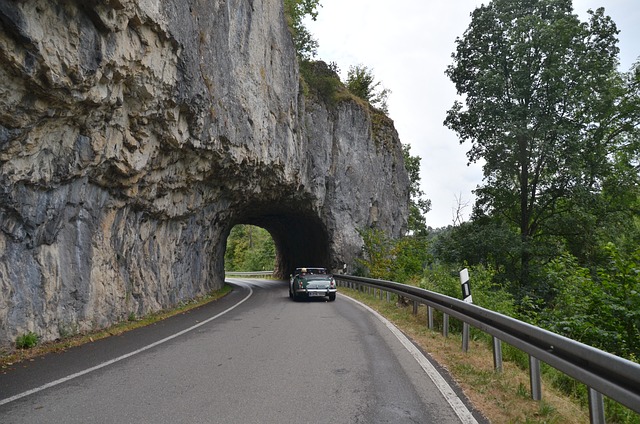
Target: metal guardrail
602,372
249,273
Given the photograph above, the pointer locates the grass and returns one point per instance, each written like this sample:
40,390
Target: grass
10,358
501,397
27,341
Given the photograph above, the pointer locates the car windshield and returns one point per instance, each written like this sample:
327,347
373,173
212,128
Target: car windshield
312,271
317,277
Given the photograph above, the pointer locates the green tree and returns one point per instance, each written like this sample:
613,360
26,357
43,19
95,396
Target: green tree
599,308
401,260
377,261
418,205
541,103
410,255
362,83
295,11
483,240
249,248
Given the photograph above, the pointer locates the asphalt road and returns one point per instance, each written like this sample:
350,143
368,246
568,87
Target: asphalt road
253,357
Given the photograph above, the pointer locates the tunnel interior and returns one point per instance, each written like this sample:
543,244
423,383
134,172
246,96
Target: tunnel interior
301,239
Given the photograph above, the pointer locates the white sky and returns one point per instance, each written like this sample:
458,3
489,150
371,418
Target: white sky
408,44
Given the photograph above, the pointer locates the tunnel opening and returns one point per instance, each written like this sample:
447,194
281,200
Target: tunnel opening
249,248
299,239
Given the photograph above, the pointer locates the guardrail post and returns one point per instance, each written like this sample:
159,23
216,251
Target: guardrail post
388,297
534,376
596,407
430,317
415,307
445,325
497,354
465,337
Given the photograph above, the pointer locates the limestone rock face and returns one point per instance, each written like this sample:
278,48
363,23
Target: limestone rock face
135,134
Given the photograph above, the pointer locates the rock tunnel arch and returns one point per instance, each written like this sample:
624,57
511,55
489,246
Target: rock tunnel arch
300,237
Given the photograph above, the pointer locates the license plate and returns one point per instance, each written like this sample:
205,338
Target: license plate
316,294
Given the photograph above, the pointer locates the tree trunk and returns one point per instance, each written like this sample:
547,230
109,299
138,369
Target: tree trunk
525,215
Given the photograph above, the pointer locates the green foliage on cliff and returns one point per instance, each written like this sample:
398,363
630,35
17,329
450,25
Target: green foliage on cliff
323,81
295,11
362,83
419,206
320,81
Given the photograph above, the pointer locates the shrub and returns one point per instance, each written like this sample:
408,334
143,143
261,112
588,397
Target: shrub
27,341
321,81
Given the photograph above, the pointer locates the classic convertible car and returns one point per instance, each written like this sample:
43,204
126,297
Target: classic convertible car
312,282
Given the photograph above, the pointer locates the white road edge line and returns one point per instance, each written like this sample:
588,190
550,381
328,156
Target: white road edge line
458,406
128,355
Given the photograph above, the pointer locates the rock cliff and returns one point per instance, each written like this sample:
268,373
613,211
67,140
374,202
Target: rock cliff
135,134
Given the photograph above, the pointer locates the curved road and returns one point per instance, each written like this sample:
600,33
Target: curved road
252,357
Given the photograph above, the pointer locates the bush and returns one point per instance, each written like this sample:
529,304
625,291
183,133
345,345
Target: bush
601,309
485,292
27,341
321,81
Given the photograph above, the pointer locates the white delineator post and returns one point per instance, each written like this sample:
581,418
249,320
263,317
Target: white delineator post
466,297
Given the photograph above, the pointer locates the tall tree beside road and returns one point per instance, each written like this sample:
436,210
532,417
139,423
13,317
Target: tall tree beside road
541,109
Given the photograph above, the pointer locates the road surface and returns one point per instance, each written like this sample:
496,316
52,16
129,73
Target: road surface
253,357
